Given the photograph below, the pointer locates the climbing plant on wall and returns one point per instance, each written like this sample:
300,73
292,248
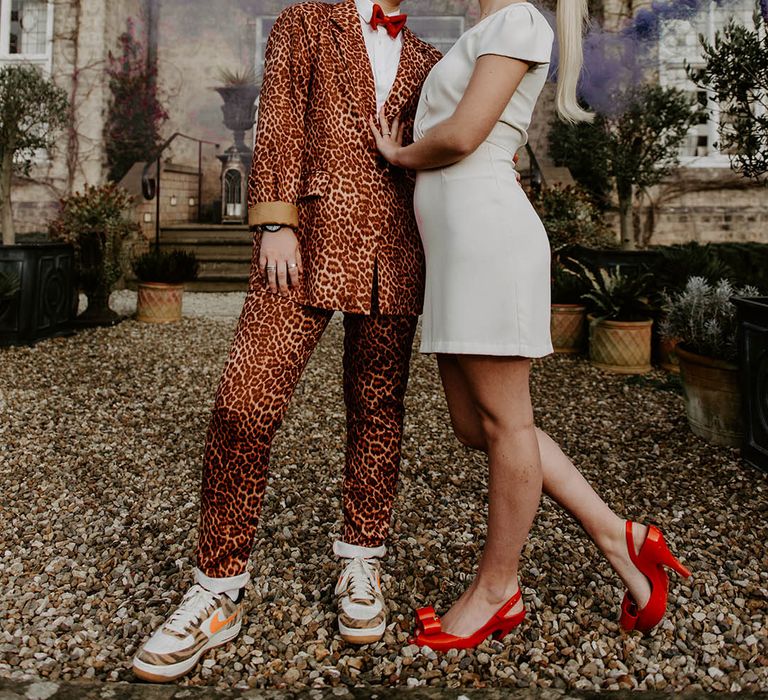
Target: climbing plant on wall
135,111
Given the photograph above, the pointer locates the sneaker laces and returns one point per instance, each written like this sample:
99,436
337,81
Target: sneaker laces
194,603
361,578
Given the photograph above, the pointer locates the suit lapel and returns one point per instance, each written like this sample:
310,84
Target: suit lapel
408,76
352,52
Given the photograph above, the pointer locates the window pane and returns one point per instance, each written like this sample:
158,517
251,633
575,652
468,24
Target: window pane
29,24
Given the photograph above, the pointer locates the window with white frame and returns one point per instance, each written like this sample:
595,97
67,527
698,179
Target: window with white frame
441,32
679,45
26,32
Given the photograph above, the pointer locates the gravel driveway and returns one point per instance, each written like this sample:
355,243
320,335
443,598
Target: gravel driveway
100,444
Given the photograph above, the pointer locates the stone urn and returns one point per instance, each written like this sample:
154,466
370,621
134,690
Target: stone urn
239,110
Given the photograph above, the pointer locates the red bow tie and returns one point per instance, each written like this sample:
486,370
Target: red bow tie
393,25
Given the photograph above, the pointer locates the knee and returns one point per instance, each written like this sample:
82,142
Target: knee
498,429
243,421
474,441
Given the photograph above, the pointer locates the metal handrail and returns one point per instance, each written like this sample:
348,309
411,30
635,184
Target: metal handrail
150,187
537,177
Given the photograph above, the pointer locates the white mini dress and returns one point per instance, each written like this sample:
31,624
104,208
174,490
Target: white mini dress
487,253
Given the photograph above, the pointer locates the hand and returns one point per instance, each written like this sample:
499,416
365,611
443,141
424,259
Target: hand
280,260
389,137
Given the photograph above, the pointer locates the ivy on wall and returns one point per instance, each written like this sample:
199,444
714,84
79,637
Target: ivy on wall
135,112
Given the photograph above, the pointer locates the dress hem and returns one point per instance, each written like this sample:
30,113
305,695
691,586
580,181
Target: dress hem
459,348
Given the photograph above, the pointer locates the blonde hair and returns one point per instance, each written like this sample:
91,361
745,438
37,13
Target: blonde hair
572,15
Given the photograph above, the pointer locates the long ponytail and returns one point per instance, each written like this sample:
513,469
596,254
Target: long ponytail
572,15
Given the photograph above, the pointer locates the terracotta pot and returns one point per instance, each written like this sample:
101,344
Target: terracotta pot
621,347
568,328
668,355
159,303
712,398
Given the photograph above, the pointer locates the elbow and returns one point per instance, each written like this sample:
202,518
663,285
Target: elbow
465,142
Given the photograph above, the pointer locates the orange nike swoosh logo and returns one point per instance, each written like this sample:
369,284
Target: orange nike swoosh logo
217,623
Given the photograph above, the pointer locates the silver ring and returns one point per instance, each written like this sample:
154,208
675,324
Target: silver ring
291,266
271,267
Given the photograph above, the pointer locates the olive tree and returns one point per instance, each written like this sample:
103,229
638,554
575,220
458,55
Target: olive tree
735,73
633,148
32,110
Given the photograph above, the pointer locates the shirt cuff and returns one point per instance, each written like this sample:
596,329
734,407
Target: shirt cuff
273,213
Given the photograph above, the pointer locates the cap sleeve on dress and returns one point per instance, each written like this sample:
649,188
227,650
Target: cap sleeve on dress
517,33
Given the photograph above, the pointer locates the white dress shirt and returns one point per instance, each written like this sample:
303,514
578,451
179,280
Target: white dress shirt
383,51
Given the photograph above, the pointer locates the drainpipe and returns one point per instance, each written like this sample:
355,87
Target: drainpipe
152,12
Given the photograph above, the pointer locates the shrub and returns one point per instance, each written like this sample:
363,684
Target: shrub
571,218
677,264
568,286
135,114
614,296
175,267
703,318
94,222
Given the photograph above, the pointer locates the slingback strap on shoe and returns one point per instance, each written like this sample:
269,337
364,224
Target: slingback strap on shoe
429,629
653,556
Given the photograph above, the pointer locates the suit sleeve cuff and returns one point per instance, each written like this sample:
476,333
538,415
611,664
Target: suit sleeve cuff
273,213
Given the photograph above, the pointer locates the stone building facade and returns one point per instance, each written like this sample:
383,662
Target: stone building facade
194,40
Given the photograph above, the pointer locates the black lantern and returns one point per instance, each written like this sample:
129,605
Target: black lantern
233,187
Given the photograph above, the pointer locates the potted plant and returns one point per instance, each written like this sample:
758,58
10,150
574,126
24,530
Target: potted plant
570,219
568,324
96,223
738,91
161,278
703,317
620,321
32,112
675,266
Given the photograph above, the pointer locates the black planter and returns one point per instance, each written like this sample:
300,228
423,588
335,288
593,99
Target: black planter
43,307
94,283
753,365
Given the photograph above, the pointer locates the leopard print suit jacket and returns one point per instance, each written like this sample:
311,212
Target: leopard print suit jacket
316,166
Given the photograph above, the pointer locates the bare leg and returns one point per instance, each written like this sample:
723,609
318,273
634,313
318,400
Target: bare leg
562,482
499,388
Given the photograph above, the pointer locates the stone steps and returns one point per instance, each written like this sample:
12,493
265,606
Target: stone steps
224,253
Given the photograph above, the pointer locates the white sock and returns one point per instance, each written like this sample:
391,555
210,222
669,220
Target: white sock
233,594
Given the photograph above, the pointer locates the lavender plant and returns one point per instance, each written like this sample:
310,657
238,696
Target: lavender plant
703,318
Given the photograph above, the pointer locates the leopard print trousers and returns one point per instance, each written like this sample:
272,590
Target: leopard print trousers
273,342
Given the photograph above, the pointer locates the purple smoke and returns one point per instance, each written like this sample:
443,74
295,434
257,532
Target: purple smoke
615,62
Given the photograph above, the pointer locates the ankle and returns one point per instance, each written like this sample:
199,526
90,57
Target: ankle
496,592
611,539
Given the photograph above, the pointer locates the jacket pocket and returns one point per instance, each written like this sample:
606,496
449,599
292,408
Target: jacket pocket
315,184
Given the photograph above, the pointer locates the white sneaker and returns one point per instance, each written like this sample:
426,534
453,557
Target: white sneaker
360,602
202,621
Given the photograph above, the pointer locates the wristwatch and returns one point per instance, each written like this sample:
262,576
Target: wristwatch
273,228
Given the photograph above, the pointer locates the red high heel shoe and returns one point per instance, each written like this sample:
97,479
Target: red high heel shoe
653,556
429,631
